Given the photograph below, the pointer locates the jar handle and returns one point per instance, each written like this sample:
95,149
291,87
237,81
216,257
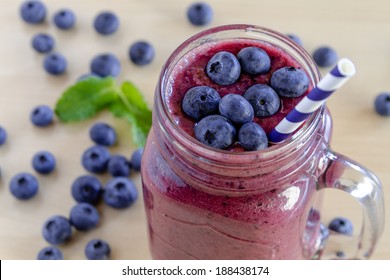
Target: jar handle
345,174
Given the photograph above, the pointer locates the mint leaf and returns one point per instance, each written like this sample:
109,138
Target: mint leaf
86,98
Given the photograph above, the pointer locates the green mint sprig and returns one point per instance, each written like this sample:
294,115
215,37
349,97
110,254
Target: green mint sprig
87,97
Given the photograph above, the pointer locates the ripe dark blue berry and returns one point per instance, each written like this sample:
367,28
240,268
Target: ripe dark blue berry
33,12
41,116
50,253
215,131
223,68
382,104
106,64
120,192
103,134
295,38
97,249
87,188
200,101
95,159
87,76
43,43
136,158
290,82
24,186
341,225
44,162
55,64
57,230
106,23
236,108
84,216
118,166
64,19
252,137
254,60
141,53
325,56
3,135
264,100
200,13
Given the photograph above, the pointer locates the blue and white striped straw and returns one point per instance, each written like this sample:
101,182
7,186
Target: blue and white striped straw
332,81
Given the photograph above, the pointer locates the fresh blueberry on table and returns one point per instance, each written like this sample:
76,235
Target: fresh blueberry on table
253,60
252,137
223,68
106,23
341,225
141,53
325,56
87,76
64,19
382,104
50,253
84,216
42,115
95,159
106,64
290,82
295,38
120,192
236,108
136,159
44,162
33,12
215,131
24,186
200,101
200,13
118,166
57,230
43,43
103,134
3,135
55,64
264,100
87,188
97,249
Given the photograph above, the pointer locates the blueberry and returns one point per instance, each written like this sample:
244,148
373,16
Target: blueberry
33,12
252,137
50,253
95,159
382,104
87,188
136,158
64,19
223,68
3,135
87,76
103,134
325,56
341,225
141,53
106,64
97,249
57,230
118,166
264,100
290,82
55,64
200,13
215,131
254,60
200,101
42,115
236,108
24,186
295,38
84,216
106,23
43,43
44,162
120,192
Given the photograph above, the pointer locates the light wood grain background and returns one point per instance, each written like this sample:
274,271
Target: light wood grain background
359,30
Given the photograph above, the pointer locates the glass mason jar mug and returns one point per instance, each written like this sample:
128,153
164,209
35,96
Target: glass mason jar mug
204,203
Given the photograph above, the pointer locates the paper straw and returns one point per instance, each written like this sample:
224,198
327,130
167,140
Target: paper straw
332,81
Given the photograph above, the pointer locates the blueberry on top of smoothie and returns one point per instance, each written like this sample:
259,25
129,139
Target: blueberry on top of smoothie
290,82
254,60
252,137
223,68
264,100
200,101
236,108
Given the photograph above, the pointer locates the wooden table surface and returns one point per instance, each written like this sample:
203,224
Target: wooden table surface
359,30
